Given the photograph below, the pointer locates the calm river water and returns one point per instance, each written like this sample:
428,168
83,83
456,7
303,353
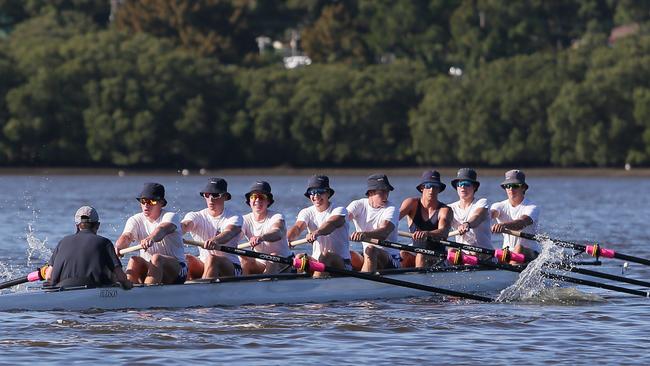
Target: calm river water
611,328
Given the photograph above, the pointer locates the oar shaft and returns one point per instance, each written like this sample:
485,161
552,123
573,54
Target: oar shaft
38,275
608,253
606,276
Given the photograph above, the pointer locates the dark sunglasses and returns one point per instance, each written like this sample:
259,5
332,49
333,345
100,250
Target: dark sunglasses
147,201
512,186
213,196
464,183
429,185
317,191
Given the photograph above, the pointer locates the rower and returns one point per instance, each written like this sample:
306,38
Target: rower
326,224
215,226
85,258
516,213
427,217
375,217
471,214
265,230
158,232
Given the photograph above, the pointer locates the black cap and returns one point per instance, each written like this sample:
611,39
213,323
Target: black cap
217,185
260,186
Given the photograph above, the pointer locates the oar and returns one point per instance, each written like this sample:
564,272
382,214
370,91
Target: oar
37,275
240,246
305,264
458,257
291,244
594,250
502,255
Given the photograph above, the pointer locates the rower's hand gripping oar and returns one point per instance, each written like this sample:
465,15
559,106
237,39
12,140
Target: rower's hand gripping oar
593,250
502,255
37,275
304,264
457,257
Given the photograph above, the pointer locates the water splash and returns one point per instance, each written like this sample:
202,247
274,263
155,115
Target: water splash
531,282
37,250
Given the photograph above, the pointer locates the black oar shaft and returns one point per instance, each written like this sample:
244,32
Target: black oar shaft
606,276
365,276
14,282
630,258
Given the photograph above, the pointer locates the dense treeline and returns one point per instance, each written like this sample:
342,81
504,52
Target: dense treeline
183,83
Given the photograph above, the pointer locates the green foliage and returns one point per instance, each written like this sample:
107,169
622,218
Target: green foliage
181,83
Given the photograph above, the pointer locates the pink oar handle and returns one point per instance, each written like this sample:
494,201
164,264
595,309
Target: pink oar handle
34,276
507,256
457,257
305,263
596,251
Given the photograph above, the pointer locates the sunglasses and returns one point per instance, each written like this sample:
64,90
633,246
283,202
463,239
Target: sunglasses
512,186
213,196
147,201
317,191
464,183
258,196
429,185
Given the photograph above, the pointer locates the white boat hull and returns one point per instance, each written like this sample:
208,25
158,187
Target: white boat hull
281,290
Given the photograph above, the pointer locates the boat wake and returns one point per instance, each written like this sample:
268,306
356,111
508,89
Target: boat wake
533,287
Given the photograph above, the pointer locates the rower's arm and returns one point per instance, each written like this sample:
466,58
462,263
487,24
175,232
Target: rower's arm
120,276
276,233
445,217
123,241
407,208
227,235
162,231
480,215
296,230
381,232
518,224
187,226
330,225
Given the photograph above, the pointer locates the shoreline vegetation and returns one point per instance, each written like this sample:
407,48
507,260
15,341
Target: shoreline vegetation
448,172
389,83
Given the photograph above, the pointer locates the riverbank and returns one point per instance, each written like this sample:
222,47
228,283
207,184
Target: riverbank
283,170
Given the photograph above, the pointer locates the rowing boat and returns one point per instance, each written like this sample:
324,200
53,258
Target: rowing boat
261,289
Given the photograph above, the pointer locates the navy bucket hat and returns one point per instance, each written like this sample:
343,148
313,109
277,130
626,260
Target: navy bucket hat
319,182
217,186
153,191
433,177
378,182
262,187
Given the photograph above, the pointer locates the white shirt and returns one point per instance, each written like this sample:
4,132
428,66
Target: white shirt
506,212
337,241
368,218
480,235
140,227
207,226
252,228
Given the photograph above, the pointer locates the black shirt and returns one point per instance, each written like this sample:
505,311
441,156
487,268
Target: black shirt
82,259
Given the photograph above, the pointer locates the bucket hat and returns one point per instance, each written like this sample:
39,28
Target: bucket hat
319,182
466,174
260,186
217,186
431,176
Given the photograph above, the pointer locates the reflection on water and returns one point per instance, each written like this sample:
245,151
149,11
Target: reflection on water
562,324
